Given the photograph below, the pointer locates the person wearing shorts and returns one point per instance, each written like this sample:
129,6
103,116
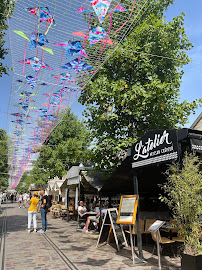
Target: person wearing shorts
94,218
25,196
20,200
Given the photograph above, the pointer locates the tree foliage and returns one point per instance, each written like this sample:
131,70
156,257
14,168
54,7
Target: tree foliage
183,195
4,168
6,9
66,145
138,89
24,183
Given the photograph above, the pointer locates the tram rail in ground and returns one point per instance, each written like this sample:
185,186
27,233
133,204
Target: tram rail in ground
63,257
3,231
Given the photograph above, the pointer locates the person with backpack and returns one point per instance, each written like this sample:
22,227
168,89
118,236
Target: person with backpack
45,205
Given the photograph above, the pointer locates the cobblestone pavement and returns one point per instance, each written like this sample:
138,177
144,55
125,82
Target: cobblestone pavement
69,249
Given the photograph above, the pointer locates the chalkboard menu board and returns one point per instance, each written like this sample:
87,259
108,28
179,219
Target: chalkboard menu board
117,227
109,223
128,209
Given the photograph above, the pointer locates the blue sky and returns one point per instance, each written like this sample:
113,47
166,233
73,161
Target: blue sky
192,78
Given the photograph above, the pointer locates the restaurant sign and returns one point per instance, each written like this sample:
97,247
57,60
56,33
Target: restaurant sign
155,147
196,145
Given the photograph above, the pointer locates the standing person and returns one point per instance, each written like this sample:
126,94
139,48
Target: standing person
25,195
32,211
44,211
20,200
1,198
4,197
12,196
29,196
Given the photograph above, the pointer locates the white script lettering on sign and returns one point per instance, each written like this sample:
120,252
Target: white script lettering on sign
142,150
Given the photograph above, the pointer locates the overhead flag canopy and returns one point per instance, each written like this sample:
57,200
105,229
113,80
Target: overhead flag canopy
100,7
42,13
57,47
35,63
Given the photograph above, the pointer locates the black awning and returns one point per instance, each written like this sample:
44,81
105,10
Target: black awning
196,144
153,173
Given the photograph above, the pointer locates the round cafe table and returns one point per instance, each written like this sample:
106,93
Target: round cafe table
91,213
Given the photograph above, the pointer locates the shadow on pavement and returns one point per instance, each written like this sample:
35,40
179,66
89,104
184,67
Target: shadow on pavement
59,232
16,223
164,262
83,248
94,262
66,242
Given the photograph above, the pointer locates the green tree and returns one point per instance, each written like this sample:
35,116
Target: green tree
6,9
24,183
138,89
68,144
4,168
183,195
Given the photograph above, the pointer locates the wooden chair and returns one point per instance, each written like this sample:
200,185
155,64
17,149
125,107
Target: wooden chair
80,221
63,211
72,213
162,241
178,239
56,211
134,230
148,223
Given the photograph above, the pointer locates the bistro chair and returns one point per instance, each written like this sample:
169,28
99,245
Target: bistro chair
134,230
63,211
80,221
148,223
162,241
72,213
178,239
56,211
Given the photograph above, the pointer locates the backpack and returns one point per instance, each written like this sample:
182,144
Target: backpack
48,203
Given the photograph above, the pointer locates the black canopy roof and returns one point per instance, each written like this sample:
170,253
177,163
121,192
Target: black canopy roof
121,181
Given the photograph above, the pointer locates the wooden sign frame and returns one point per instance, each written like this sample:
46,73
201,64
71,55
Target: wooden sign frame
131,213
107,228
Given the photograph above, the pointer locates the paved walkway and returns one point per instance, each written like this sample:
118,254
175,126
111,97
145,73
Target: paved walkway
64,247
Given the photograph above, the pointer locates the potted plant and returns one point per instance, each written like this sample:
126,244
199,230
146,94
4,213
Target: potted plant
183,195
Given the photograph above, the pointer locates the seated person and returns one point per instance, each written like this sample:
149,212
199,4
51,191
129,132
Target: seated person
94,218
82,210
91,205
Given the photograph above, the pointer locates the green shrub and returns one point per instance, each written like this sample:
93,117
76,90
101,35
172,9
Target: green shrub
183,195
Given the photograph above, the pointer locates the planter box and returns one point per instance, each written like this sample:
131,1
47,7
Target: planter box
189,262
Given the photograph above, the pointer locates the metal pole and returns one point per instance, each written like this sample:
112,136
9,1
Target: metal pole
77,197
100,219
139,236
158,249
131,243
67,202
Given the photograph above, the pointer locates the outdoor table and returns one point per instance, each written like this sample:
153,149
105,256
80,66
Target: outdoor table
169,228
91,213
